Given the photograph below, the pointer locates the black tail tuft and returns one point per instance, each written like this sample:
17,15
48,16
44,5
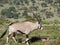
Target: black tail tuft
3,34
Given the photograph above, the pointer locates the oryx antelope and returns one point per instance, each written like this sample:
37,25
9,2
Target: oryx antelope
25,27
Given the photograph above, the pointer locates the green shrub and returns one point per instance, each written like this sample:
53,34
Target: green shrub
10,13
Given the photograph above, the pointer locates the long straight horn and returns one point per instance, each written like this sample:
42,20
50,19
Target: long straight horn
35,16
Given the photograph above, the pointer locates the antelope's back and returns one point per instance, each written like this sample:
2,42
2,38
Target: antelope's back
24,27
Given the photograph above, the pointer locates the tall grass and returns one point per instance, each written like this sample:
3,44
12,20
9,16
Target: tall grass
52,31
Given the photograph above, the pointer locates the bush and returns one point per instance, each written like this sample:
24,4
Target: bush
49,14
49,1
44,5
10,13
58,11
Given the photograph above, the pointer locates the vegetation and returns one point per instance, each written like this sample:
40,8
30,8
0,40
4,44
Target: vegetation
52,31
23,10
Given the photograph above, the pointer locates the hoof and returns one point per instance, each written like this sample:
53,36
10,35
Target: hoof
23,42
7,44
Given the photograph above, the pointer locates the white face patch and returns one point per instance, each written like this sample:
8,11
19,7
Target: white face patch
41,28
38,25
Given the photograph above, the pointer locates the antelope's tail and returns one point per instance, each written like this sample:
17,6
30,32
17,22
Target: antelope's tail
3,34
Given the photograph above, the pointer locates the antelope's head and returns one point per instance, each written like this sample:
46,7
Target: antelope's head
40,25
38,18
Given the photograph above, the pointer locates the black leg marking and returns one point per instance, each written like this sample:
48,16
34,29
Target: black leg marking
9,35
14,34
27,36
27,40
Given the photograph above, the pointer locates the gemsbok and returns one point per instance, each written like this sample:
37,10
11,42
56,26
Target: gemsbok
24,28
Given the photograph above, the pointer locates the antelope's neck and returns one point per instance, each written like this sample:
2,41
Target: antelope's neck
35,26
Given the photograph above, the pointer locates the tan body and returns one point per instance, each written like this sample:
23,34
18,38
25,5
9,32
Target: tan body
25,27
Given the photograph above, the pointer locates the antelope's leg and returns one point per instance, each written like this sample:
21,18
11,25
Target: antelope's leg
14,39
14,34
26,41
8,38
